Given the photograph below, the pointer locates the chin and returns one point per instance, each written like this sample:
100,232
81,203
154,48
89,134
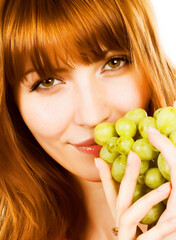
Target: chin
90,177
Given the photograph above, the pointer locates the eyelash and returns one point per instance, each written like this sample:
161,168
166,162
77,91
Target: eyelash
124,58
37,84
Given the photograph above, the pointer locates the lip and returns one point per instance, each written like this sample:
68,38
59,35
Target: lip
89,147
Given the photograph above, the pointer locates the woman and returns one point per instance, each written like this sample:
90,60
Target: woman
67,66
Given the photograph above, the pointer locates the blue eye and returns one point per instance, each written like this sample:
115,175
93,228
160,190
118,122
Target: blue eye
116,63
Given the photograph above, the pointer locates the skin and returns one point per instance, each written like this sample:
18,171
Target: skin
126,215
67,114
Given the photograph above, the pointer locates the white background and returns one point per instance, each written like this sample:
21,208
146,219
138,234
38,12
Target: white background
165,12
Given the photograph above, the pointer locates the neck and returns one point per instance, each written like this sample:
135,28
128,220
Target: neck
100,220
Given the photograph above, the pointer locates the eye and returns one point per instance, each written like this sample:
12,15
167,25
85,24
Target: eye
46,84
116,63
49,83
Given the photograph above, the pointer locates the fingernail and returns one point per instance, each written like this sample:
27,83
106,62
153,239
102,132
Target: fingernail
174,104
173,220
153,130
130,156
163,187
96,162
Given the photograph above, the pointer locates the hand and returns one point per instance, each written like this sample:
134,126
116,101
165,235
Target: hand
128,215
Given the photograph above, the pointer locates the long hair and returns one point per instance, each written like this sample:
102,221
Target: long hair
38,198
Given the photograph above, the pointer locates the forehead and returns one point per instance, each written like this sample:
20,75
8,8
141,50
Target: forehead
61,32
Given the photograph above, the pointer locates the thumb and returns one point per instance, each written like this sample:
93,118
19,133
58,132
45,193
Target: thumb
108,183
174,104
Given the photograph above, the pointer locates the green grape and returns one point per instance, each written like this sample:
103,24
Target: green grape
103,132
156,150
118,168
144,125
107,156
125,127
117,141
140,179
166,120
153,215
139,192
144,167
144,149
124,144
163,167
154,178
157,112
112,144
136,115
172,137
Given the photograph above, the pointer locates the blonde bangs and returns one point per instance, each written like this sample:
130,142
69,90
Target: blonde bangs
71,31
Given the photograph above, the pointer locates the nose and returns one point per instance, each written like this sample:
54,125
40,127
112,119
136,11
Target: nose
92,105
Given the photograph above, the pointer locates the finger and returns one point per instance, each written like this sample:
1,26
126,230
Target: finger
160,230
128,184
166,147
139,209
108,183
174,104
168,151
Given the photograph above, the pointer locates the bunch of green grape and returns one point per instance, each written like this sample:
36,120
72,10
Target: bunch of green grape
130,133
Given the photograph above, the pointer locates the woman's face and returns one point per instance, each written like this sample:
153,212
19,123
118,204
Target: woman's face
62,112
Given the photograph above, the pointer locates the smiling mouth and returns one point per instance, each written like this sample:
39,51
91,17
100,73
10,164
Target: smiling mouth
89,147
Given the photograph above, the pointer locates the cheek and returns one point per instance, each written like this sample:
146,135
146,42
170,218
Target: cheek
129,93
46,119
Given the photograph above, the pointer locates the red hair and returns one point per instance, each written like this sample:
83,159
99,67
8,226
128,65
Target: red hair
39,199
